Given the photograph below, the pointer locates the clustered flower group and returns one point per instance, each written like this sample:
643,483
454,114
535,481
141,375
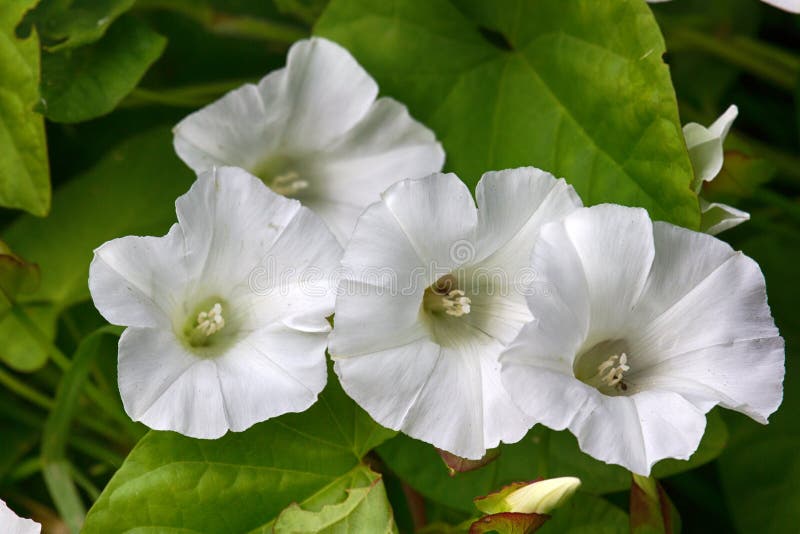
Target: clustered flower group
460,322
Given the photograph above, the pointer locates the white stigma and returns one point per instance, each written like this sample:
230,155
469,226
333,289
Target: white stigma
210,322
613,369
288,184
455,303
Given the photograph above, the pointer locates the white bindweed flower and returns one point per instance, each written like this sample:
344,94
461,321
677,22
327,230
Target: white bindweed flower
226,314
792,6
707,155
641,328
10,523
313,131
432,291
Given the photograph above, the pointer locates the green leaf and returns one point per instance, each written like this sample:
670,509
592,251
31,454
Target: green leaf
132,191
243,481
542,453
70,23
87,82
24,170
549,83
55,465
16,274
585,514
366,509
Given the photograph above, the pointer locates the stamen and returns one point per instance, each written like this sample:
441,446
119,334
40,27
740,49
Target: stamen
613,370
288,184
210,322
455,303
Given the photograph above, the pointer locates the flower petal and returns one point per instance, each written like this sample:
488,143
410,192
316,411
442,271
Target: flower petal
712,336
139,281
13,524
716,218
438,216
513,205
320,94
380,292
166,387
638,431
295,280
705,146
615,248
634,431
387,146
449,398
273,371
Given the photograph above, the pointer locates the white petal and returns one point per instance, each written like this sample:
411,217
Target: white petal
166,387
513,205
320,94
615,247
13,524
230,220
548,396
273,371
140,281
380,293
705,146
712,337
716,218
387,146
635,431
439,395
638,431
295,281
792,6
438,216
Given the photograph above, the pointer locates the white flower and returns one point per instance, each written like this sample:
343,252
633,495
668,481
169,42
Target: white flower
792,6
13,524
315,132
226,314
433,290
707,155
641,328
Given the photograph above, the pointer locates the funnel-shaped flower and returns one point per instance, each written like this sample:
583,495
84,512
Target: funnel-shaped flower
226,314
641,328
434,289
315,132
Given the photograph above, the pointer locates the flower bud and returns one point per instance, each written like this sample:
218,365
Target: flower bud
530,498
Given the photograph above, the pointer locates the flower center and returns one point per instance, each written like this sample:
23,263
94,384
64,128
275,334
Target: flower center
288,184
207,324
604,366
613,369
444,296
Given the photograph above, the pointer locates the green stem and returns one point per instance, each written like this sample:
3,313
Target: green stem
103,400
25,391
101,453
84,483
190,96
241,26
759,59
26,469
